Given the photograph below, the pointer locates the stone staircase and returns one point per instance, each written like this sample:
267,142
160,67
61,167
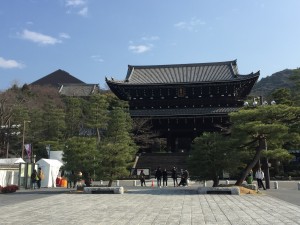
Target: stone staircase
163,160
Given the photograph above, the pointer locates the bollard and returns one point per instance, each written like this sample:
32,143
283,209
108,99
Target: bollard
275,185
290,178
101,182
204,183
227,182
299,186
118,183
134,183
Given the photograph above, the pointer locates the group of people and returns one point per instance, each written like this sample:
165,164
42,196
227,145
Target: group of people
259,175
162,175
36,178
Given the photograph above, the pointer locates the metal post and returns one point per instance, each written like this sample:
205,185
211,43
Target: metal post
275,185
23,139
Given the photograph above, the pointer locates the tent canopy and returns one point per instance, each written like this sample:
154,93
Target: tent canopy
50,168
56,155
11,161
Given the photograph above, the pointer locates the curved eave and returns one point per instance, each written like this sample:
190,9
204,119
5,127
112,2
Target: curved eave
132,67
238,78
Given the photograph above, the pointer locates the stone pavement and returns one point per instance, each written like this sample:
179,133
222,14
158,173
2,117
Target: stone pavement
143,205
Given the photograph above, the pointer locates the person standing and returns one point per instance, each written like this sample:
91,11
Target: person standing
174,176
41,177
142,178
186,175
249,179
165,177
259,175
158,175
34,179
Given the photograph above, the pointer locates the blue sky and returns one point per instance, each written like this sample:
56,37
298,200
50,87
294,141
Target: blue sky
92,39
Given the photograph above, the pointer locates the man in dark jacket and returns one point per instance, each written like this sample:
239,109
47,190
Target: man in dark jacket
174,176
165,177
158,175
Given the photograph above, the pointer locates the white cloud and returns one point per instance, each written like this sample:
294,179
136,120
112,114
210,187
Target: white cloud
39,38
181,25
75,3
10,64
191,25
64,35
79,6
151,38
140,48
83,11
97,58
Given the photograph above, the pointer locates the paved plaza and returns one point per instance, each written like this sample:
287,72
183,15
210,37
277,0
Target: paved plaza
144,205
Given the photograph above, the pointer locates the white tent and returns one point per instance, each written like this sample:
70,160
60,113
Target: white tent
56,155
50,168
9,171
11,161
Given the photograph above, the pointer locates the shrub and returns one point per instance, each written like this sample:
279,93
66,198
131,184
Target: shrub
9,189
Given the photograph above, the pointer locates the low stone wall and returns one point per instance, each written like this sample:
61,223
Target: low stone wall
103,190
219,190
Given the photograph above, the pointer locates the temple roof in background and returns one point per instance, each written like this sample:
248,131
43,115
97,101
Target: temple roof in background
67,84
57,78
79,89
184,73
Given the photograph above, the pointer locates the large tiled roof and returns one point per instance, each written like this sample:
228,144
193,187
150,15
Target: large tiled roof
184,73
56,78
79,90
183,112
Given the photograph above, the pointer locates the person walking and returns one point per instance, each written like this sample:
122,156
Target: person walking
142,178
165,177
158,175
174,176
259,175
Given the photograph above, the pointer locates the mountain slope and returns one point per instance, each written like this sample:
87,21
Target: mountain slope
267,85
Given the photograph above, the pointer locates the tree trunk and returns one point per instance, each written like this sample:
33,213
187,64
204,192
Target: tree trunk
110,183
216,181
260,147
98,135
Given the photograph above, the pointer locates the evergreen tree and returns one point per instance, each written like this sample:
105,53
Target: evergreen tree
74,115
96,114
211,155
296,90
79,154
117,149
282,96
265,128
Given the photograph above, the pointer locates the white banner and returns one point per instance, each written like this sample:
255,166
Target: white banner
28,150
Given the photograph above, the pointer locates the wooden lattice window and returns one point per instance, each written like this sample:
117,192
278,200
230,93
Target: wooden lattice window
181,92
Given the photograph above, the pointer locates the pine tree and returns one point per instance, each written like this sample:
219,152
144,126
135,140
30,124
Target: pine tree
117,149
264,131
211,155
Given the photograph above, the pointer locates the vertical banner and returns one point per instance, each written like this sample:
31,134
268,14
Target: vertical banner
28,150
48,149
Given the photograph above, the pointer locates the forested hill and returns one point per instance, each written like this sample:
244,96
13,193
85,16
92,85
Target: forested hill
267,85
